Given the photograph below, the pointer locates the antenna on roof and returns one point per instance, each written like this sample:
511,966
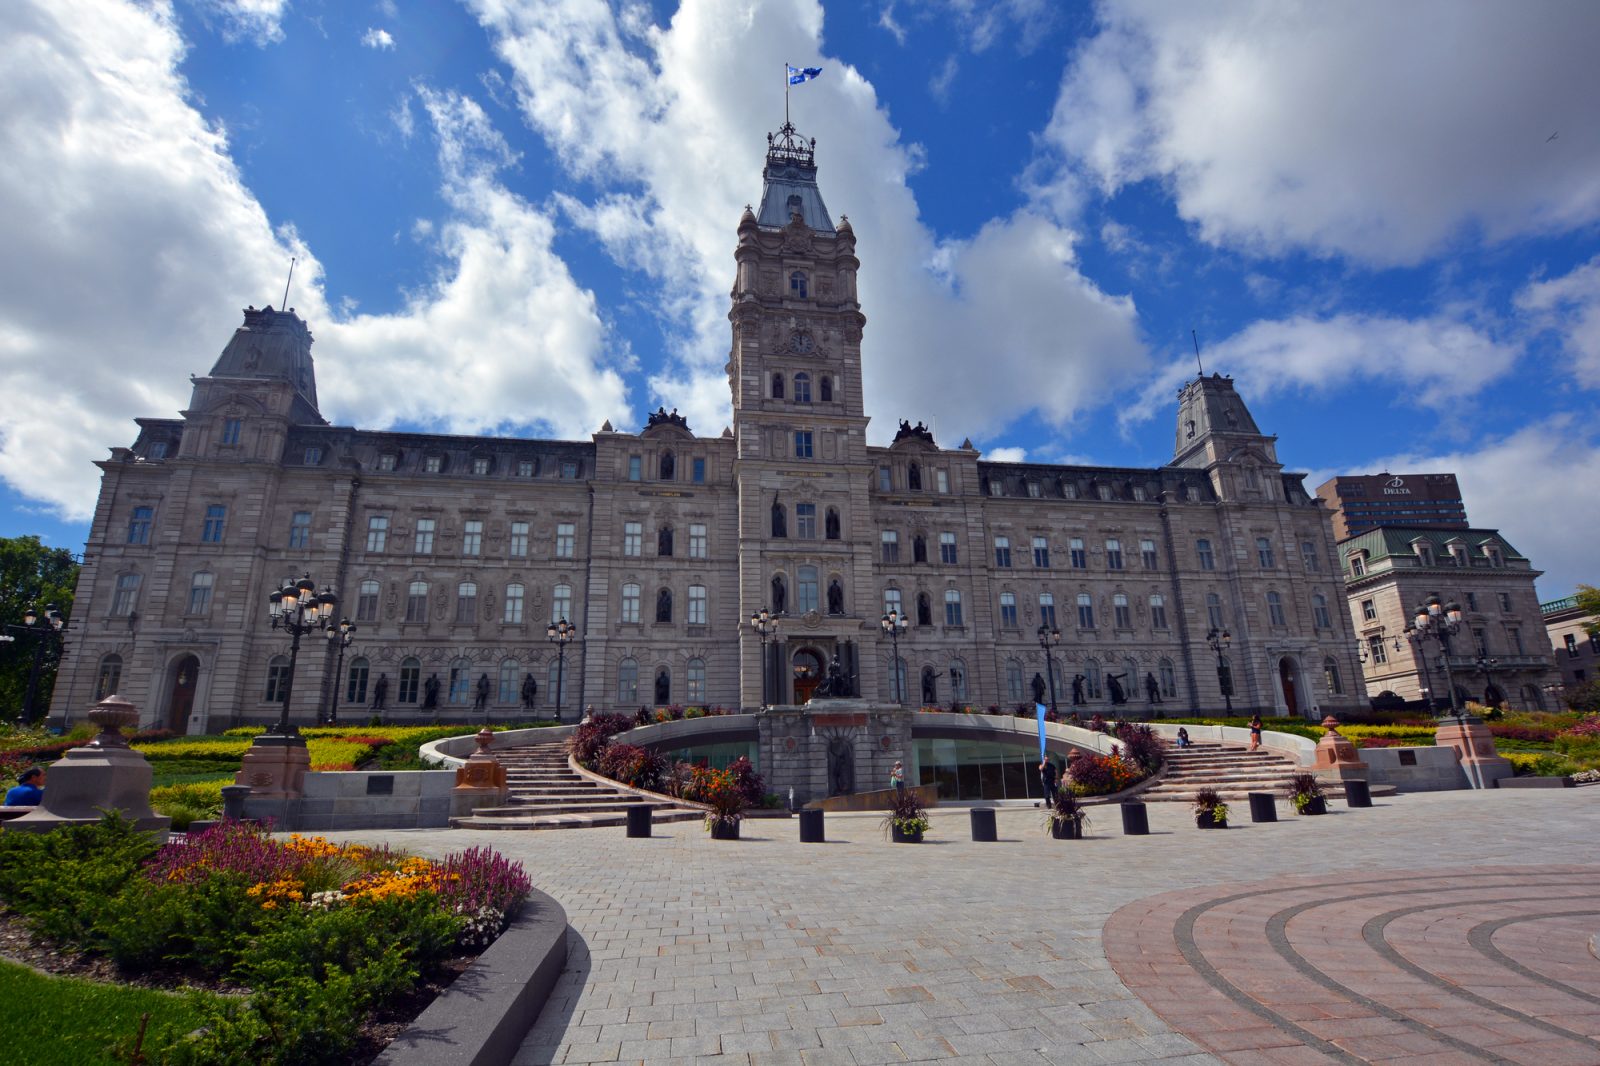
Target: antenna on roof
1197,362
285,305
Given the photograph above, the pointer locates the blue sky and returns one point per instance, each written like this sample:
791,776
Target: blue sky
518,217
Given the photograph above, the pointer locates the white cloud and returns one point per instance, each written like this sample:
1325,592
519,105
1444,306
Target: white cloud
1006,455
1570,305
380,40
975,332
1435,362
403,119
887,22
257,21
939,84
1370,129
132,243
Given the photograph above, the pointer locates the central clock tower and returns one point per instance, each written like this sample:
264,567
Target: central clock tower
802,470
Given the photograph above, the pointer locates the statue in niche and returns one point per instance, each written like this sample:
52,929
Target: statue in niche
664,605
380,693
780,523
663,689
914,476
835,597
777,386
780,596
827,388
833,524
1114,687
430,692
924,610
841,766
930,688
919,549
664,540
1077,689
1152,689
669,466
530,693
1038,688
480,700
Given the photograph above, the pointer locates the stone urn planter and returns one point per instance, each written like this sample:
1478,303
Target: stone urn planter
901,836
724,829
1066,829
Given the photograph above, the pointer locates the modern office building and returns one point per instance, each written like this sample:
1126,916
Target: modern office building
452,554
1368,501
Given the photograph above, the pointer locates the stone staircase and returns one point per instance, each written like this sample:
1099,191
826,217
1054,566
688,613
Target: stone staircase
1232,771
547,794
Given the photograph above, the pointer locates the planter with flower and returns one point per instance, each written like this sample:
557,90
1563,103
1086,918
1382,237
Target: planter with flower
1306,793
1209,810
1067,817
907,820
719,790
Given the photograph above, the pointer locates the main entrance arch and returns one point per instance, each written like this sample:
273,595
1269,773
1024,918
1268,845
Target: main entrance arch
1289,681
807,664
182,677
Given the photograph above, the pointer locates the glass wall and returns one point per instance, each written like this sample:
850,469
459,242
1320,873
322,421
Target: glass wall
977,769
716,756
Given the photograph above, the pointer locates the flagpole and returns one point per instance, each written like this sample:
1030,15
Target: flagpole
785,92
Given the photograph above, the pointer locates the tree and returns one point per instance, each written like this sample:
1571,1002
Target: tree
31,575
1589,602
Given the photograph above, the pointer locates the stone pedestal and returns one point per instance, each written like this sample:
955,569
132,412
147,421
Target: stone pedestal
1336,759
480,781
1474,746
103,775
275,767
832,747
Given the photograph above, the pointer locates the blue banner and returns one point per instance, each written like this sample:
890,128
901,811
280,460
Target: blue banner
1039,710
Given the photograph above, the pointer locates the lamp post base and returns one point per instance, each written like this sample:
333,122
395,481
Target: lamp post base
275,767
1474,746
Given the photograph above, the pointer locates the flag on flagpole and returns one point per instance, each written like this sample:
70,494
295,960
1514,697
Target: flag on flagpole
1039,710
797,75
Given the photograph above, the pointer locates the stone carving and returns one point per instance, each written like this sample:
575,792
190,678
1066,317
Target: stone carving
530,692
1114,687
430,692
1077,689
1038,688
835,597
841,766
663,689
480,700
380,693
1152,689
835,685
930,694
664,418
920,431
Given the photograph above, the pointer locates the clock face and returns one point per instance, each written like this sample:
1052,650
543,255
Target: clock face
802,342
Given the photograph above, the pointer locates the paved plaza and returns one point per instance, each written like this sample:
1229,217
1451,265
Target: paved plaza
1433,928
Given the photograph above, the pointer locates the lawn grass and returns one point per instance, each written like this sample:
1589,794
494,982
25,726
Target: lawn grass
65,1021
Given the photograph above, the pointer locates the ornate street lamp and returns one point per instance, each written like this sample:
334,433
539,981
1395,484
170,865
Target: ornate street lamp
299,609
339,636
560,634
45,632
1439,622
1486,665
1049,637
765,623
1221,640
894,623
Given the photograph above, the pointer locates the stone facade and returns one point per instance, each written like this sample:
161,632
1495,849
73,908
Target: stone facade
1576,650
451,554
1499,657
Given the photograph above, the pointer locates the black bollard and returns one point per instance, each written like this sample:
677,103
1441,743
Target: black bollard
1357,794
811,827
233,797
1135,819
983,828
639,819
1263,807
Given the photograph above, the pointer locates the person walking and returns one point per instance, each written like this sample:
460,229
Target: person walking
1255,732
897,778
1047,778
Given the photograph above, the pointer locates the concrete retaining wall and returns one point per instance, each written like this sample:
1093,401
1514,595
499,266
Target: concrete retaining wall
358,799
453,751
1434,769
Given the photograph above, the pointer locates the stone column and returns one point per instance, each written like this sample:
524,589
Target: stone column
1336,758
1474,746
480,781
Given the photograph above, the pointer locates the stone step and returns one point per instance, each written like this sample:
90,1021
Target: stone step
571,821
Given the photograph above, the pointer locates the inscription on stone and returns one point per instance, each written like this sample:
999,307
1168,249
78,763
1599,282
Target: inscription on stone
380,785
1408,758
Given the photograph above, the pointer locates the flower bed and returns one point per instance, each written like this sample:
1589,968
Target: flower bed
318,935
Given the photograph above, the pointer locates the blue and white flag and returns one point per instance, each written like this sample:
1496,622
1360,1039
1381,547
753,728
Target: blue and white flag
1039,710
802,74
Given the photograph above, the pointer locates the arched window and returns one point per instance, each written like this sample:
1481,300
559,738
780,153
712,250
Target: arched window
1013,681
780,595
797,284
460,681
664,540
952,607
627,682
958,681
109,677
831,524
802,387
510,687
825,388
664,605
1091,678
1169,680
780,521
513,613
669,466
919,549
1119,608
1330,675
777,386
914,477
355,685
697,682
466,601
924,610
1531,699
277,675
560,603
410,674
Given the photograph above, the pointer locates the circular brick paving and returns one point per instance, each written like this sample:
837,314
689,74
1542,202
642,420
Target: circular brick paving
1486,964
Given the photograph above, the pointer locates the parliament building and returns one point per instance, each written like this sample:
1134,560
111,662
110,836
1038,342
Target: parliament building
451,555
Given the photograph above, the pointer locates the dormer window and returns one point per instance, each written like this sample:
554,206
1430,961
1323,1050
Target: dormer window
1104,492
1138,492
231,430
1424,554
433,464
388,461
480,465
313,456
794,205
1069,490
526,468
158,449
1492,554
1033,489
797,284
1358,564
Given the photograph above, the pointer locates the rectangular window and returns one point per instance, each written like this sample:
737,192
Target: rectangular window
466,602
1571,641
1202,549
432,464
386,461
1113,554
941,480
524,467
1319,613
1505,602
565,540
1002,551
417,602
569,469
1369,611
1033,489
472,538
806,591
513,615
300,530
697,605
230,430
1358,566
424,541
891,546
802,444
947,548
952,608
1308,556
1472,601
1158,613
697,542
139,525
561,603
126,597
1008,610
367,602
1124,618
200,593
1480,639
519,539
158,449
805,521
1047,610
885,479
635,468
1376,651
1147,555
630,603
697,469
1077,555
216,519
1085,611
1514,635
1041,553
1275,609
632,538
891,603
1264,553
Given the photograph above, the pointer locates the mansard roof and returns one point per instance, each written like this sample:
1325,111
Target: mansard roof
790,183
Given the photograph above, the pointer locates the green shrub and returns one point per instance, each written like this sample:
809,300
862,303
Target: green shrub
1541,764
